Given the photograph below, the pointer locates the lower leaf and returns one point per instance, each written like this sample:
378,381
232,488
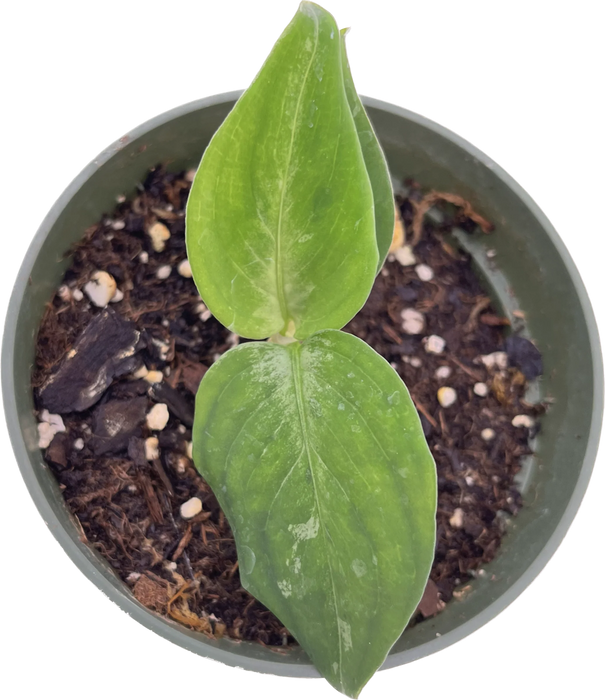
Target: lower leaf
317,457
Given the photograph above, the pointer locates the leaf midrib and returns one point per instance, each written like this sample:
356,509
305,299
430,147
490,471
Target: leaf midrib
279,273
302,414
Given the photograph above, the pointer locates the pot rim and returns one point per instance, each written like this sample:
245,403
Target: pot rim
177,634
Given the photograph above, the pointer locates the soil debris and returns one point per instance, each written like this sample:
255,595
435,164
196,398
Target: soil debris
127,492
524,355
431,602
151,594
429,200
115,422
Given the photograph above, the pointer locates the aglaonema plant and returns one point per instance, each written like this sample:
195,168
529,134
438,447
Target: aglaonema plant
310,442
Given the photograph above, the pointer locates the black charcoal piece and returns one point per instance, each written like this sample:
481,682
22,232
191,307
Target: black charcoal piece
103,351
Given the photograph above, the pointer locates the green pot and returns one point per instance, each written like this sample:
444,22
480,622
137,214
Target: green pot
534,272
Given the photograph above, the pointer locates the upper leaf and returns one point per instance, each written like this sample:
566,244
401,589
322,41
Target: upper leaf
380,179
317,457
280,220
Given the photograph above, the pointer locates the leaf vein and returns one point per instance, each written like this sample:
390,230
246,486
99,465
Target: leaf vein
360,415
297,374
363,527
245,423
281,486
284,184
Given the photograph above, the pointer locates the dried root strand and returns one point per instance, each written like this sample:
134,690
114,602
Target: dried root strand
431,199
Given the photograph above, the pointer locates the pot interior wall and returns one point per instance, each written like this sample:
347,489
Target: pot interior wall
533,267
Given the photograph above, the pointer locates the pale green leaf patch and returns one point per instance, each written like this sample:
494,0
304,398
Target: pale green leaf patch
281,231
317,457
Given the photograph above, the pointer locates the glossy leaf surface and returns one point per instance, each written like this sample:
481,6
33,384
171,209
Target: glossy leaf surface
317,456
280,221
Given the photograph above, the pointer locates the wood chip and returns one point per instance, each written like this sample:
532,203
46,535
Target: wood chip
430,603
192,374
57,450
425,412
104,350
398,232
115,422
161,472
151,498
185,539
493,320
178,404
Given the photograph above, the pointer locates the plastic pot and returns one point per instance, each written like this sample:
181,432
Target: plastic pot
534,272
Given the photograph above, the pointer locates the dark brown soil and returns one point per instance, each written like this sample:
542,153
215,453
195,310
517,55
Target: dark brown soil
128,505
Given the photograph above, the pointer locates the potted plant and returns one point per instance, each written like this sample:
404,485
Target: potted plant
521,223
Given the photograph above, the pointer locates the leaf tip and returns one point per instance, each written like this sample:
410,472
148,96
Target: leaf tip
317,12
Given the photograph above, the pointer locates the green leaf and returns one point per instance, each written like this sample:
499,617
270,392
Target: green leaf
317,457
380,179
280,220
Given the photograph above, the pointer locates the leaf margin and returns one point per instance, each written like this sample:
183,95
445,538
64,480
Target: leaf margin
222,495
